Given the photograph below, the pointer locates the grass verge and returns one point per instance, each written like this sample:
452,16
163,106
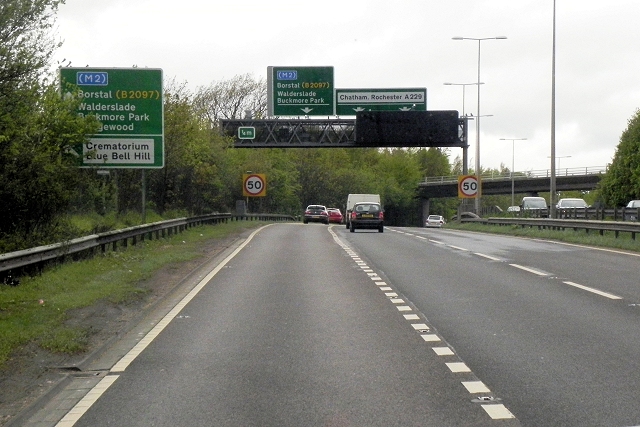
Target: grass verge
36,310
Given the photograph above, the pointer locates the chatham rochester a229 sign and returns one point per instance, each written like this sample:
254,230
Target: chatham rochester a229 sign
128,103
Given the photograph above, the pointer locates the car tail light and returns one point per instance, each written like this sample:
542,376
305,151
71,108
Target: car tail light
381,216
353,215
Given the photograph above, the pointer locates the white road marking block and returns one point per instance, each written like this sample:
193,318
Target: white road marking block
443,351
458,367
475,387
498,411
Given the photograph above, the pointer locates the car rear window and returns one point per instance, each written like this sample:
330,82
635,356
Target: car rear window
367,208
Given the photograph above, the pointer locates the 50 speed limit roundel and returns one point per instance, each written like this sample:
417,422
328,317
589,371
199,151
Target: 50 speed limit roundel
467,186
254,185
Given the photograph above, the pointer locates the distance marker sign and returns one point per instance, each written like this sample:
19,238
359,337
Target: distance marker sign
128,103
254,185
467,186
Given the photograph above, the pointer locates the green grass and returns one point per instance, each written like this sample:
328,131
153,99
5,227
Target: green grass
36,310
593,238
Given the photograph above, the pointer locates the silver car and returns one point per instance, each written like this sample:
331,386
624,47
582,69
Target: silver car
434,221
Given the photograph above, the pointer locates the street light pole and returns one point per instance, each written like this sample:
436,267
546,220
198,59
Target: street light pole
557,162
477,204
465,168
463,88
513,162
552,184
478,116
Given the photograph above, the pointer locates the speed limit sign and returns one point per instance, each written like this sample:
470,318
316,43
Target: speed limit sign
254,185
467,186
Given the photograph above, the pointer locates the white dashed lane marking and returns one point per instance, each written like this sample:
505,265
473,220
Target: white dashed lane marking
593,290
475,387
530,270
498,412
495,411
488,257
458,367
443,351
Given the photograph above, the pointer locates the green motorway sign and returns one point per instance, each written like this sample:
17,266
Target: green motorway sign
246,132
352,101
300,91
128,103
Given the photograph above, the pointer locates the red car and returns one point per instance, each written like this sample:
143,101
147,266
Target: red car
335,215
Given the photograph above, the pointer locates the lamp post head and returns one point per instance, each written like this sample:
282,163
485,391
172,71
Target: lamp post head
479,38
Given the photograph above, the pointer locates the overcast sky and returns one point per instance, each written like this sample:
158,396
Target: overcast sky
396,44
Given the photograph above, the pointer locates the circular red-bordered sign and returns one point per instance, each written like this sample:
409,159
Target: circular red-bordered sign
467,186
254,185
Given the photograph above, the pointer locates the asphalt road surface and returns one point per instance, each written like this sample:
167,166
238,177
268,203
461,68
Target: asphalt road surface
309,325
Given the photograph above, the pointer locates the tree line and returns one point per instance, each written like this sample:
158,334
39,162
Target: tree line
41,186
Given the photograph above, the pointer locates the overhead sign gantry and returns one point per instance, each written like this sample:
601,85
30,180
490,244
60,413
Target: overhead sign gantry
296,96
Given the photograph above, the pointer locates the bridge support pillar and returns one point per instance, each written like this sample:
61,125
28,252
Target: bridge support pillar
425,209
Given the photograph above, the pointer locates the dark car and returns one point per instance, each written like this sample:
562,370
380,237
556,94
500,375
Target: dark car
367,215
316,213
335,215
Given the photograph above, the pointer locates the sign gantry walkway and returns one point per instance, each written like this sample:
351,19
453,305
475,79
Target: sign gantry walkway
288,133
319,133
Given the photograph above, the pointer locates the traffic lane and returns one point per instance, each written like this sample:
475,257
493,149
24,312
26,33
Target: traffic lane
616,272
291,332
553,353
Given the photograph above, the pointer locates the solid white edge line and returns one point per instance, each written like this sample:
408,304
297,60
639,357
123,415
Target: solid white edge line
86,402
593,290
126,360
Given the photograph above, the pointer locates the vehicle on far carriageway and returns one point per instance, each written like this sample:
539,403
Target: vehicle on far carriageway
434,221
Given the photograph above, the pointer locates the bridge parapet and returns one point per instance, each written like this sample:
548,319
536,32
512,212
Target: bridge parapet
543,173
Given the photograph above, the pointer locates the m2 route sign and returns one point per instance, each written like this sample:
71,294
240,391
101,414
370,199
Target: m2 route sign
467,186
254,185
128,103
300,91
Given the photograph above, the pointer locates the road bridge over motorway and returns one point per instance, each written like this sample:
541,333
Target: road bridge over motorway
529,182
